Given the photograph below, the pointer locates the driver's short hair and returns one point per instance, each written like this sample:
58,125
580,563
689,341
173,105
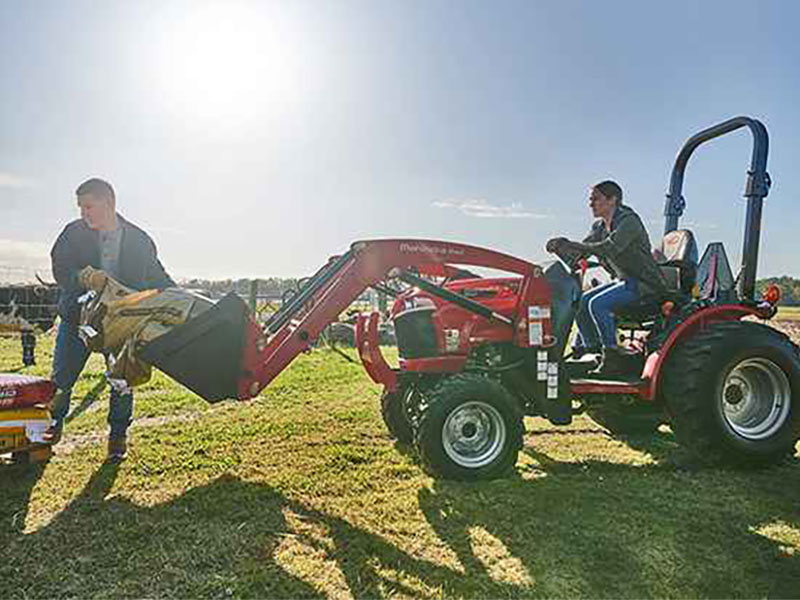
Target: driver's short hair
609,189
96,187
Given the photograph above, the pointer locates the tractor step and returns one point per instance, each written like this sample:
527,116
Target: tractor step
581,367
630,385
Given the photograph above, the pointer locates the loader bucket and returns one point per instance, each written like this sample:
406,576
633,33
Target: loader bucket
205,353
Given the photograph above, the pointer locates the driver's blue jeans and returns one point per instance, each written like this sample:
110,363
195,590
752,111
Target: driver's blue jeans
69,358
596,323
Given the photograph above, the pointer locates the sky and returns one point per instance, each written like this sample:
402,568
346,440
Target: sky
257,139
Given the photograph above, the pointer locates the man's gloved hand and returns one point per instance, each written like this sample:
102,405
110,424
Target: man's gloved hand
554,244
92,279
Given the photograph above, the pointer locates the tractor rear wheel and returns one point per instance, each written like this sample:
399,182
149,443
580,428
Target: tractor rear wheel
733,394
393,411
470,427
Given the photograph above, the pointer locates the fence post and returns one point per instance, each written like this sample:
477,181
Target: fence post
253,295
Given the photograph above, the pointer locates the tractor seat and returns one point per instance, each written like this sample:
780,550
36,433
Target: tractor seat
676,256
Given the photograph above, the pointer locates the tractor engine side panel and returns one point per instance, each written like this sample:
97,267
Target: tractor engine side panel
428,326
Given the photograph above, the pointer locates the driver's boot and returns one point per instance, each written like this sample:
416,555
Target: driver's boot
616,361
579,351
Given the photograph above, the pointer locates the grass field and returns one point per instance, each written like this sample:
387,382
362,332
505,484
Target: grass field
301,493
789,313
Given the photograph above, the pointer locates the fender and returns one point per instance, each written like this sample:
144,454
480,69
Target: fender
699,320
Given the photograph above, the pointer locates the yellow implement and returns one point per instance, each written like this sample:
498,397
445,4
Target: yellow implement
22,433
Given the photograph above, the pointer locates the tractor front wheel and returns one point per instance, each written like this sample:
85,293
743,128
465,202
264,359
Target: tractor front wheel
470,427
733,394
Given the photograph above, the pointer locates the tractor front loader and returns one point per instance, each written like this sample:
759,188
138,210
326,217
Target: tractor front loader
476,354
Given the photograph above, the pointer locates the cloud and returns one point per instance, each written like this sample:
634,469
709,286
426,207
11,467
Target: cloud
482,208
14,182
696,225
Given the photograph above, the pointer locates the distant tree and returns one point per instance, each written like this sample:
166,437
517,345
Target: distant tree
789,286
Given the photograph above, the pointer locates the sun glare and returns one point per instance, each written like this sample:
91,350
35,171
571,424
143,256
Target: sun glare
225,61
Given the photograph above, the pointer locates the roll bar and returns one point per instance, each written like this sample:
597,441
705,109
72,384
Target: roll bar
756,189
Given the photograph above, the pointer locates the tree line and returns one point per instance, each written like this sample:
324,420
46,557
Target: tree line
790,289
273,287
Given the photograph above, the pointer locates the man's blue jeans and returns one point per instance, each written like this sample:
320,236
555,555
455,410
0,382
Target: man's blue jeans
69,358
596,323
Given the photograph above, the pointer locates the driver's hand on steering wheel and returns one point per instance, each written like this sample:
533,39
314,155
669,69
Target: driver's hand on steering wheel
554,244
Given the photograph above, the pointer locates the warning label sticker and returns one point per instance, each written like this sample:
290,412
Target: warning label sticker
538,312
535,334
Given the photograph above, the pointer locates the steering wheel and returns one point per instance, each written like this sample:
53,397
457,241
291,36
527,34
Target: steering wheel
571,258
576,261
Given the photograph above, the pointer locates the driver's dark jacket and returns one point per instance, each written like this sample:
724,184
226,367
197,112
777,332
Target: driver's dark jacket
78,246
626,249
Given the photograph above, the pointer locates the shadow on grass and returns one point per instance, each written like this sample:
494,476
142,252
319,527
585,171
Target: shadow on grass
221,539
592,528
89,399
200,544
604,529
18,483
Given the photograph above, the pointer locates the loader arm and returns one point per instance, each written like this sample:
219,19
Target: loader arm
224,353
293,329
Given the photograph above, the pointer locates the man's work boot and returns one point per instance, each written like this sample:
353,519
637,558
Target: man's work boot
117,449
52,434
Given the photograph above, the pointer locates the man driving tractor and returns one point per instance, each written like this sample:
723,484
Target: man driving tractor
620,242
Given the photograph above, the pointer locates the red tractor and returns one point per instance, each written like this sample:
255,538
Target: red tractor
477,355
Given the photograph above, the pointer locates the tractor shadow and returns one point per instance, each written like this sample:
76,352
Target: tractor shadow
197,545
556,528
604,529
222,539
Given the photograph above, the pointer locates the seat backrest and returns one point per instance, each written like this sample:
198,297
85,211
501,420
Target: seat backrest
679,245
677,257
715,279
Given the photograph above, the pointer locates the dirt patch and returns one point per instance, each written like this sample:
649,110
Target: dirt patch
69,443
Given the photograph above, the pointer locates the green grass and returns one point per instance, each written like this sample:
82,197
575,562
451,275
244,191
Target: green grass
789,313
301,493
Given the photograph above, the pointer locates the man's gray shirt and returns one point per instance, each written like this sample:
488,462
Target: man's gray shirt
110,244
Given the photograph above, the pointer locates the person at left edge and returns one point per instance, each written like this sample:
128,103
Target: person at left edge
103,239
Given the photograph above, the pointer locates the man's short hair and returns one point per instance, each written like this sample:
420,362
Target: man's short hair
96,187
609,189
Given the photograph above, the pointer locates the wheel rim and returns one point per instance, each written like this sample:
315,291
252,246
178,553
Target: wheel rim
474,434
756,398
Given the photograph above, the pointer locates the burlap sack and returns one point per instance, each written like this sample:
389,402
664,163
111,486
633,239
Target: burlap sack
119,321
